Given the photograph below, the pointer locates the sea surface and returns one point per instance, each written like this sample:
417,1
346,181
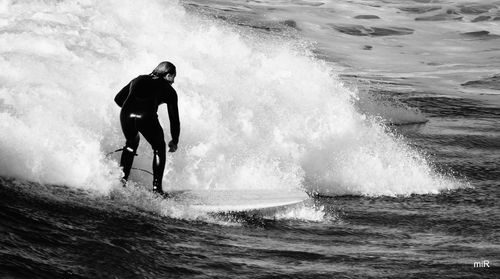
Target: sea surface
385,112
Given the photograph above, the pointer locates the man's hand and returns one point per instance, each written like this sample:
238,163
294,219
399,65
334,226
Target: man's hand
172,147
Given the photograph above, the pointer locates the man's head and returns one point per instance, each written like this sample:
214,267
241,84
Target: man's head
165,70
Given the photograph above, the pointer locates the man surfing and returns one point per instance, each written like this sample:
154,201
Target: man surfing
139,101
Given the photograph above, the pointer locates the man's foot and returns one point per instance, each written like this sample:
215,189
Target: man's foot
158,190
161,193
164,195
123,181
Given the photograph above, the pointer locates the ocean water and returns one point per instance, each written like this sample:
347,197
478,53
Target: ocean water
385,112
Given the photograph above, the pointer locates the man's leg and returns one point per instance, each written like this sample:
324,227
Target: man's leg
153,133
128,154
129,128
159,158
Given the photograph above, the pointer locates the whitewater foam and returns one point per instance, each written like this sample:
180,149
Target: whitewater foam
256,111
304,212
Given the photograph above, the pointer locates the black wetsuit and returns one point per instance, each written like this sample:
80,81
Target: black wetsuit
139,101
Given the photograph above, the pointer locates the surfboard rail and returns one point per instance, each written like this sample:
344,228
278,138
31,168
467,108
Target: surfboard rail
256,201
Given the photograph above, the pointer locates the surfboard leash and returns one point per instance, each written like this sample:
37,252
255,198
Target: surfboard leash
146,171
135,154
121,149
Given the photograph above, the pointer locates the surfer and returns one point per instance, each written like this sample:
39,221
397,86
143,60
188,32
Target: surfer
139,101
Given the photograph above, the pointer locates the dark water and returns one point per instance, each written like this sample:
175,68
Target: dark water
450,88
80,236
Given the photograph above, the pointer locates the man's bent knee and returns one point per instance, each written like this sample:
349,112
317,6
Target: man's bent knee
132,144
160,148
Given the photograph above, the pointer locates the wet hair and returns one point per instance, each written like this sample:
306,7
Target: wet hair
163,69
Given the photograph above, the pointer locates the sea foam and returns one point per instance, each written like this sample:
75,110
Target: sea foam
257,110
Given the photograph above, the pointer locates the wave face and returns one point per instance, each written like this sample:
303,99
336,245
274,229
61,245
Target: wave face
257,110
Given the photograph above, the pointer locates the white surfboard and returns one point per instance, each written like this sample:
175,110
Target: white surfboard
240,201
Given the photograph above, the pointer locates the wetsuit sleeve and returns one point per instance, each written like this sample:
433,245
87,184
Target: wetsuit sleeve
173,116
122,95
